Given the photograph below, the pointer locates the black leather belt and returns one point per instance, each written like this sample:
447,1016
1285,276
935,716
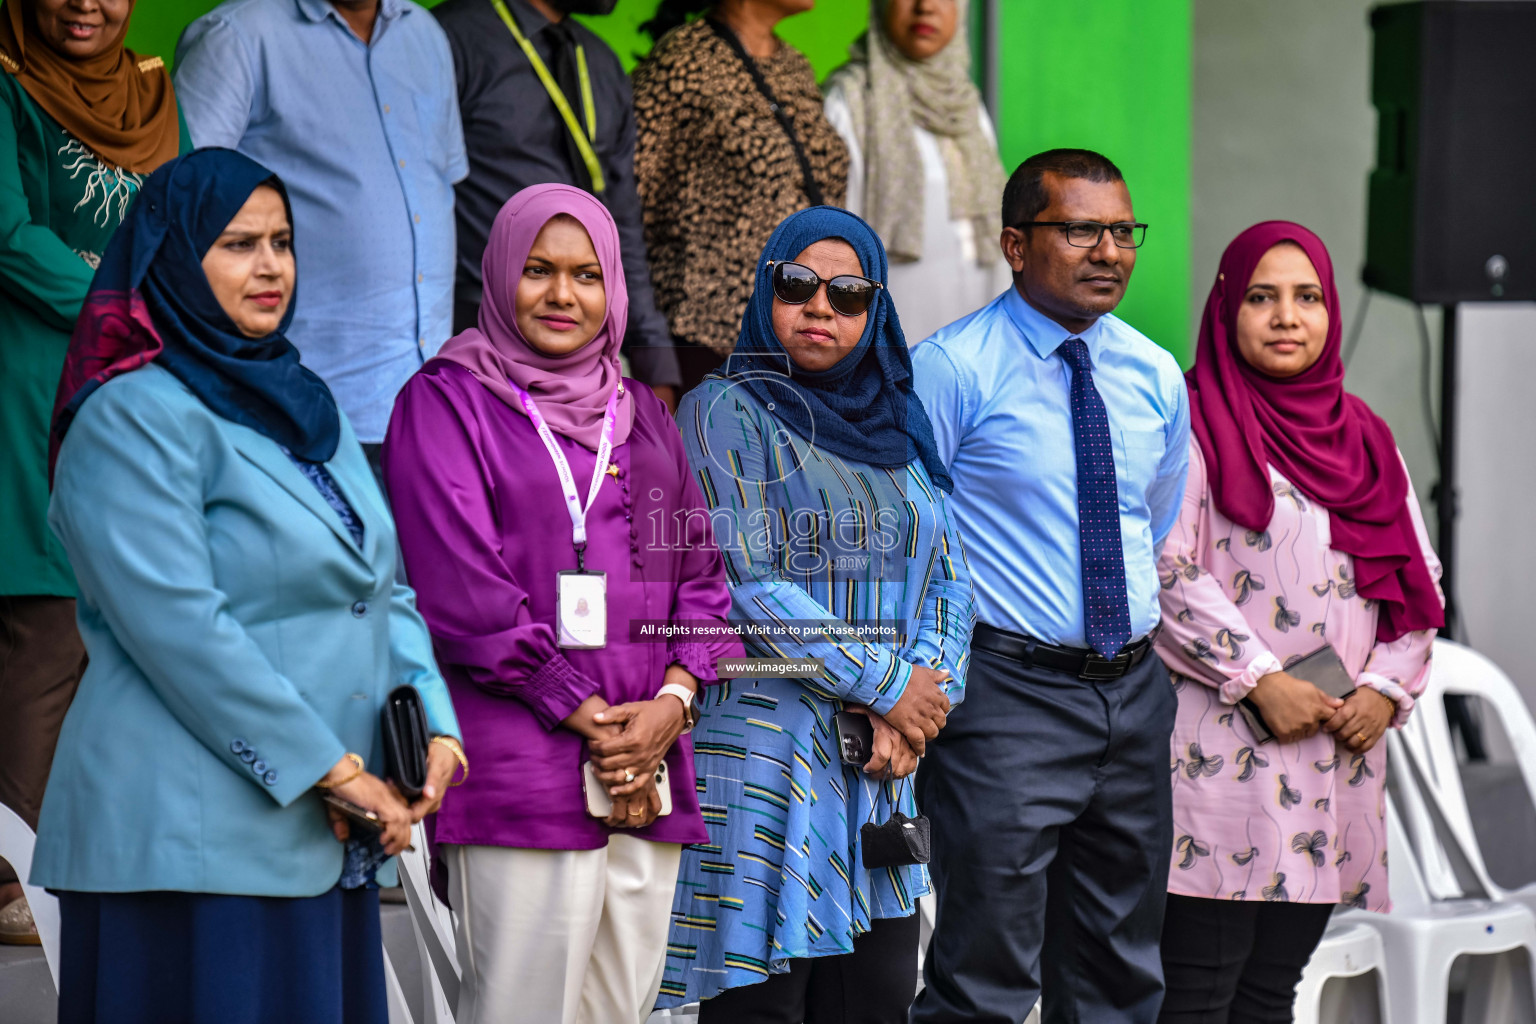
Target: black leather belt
1086,664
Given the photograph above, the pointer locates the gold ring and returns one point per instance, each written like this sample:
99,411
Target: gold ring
1360,737
635,813
629,776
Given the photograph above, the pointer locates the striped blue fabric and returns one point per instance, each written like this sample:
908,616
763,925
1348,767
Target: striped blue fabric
858,566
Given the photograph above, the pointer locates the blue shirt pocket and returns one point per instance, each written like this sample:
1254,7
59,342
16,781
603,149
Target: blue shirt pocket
1138,455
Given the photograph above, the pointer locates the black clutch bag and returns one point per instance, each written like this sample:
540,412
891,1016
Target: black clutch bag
405,740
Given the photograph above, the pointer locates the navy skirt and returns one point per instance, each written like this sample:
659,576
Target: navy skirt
174,957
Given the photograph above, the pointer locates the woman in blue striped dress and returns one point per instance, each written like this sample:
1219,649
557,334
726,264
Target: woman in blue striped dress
828,501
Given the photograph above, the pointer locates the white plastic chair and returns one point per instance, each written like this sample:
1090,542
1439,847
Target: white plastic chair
1351,947
394,995
433,924
1432,925
1427,741
16,843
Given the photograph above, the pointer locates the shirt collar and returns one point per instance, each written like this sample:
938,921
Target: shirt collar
319,10
1044,334
529,18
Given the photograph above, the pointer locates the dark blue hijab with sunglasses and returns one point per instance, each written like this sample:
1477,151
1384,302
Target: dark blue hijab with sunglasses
151,301
863,408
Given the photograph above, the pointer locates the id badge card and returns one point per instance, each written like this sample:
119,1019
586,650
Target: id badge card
581,609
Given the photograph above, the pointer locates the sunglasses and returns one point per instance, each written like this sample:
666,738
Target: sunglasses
797,284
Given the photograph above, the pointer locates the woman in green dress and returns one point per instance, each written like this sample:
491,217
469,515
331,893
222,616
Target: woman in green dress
82,121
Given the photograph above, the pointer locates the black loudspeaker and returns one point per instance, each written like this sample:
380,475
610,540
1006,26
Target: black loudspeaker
1452,205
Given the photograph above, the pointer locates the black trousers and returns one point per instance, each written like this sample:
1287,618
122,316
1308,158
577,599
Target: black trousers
1052,822
871,985
1236,963
41,661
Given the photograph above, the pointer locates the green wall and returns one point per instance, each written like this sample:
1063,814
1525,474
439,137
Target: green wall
823,34
1113,76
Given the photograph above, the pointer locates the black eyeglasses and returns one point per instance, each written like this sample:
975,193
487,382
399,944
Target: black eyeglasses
1085,234
797,284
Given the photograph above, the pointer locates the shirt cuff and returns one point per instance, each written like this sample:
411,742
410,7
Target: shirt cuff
894,687
555,691
698,659
1391,690
1238,687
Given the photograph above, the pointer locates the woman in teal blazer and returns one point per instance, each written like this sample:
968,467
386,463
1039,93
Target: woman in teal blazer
238,602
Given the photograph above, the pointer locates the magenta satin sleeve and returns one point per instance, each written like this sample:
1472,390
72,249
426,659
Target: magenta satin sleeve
477,610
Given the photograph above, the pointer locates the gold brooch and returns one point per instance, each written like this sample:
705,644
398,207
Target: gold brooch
150,63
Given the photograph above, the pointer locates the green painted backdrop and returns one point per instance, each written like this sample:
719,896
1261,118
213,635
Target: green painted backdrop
823,34
1112,76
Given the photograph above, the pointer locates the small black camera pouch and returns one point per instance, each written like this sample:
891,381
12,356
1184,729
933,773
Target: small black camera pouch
896,842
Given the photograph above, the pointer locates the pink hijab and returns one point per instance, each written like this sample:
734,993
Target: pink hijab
1325,441
571,390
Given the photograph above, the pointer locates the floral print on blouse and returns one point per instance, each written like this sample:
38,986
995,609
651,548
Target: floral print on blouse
1302,822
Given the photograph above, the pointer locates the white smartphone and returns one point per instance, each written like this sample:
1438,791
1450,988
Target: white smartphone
600,805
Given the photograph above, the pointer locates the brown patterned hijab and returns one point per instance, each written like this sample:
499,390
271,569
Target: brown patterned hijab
120,106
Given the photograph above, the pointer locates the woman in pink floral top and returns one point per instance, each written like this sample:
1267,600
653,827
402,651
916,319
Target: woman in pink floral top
1299,529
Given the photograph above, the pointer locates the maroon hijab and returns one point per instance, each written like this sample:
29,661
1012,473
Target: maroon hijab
1325,441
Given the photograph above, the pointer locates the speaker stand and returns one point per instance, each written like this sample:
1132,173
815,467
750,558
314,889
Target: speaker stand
1463,715
1447,495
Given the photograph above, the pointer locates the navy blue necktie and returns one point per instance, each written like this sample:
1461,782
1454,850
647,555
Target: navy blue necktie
1107,614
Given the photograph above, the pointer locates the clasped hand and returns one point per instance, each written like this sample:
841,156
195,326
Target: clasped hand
922,710
642,733
1363,720
901,735
891,754
627,743
372,793
1295,709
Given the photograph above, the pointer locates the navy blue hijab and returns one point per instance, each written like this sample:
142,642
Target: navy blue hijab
151,301
863,407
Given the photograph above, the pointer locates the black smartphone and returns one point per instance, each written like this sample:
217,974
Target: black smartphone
855,737
354,814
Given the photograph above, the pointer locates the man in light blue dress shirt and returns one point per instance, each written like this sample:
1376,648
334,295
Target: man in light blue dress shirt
353,104
1066,432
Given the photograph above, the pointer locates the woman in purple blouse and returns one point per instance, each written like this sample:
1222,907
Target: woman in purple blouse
527,476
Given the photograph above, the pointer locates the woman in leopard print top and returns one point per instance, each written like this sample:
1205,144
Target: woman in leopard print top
716,170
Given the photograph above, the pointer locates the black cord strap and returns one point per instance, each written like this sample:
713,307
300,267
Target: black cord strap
812,189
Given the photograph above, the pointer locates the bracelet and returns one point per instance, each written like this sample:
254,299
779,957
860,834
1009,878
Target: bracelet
458,752
357,765
1384,697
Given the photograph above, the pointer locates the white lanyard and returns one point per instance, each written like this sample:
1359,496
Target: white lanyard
573,503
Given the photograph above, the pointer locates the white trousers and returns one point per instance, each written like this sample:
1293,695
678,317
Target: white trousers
562,936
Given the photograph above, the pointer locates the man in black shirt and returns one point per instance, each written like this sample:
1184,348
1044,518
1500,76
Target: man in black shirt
516,136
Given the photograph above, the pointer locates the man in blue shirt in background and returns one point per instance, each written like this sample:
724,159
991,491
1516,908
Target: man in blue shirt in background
1067,434
352,103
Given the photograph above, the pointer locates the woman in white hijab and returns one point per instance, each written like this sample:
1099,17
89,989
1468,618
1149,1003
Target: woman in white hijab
924,166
